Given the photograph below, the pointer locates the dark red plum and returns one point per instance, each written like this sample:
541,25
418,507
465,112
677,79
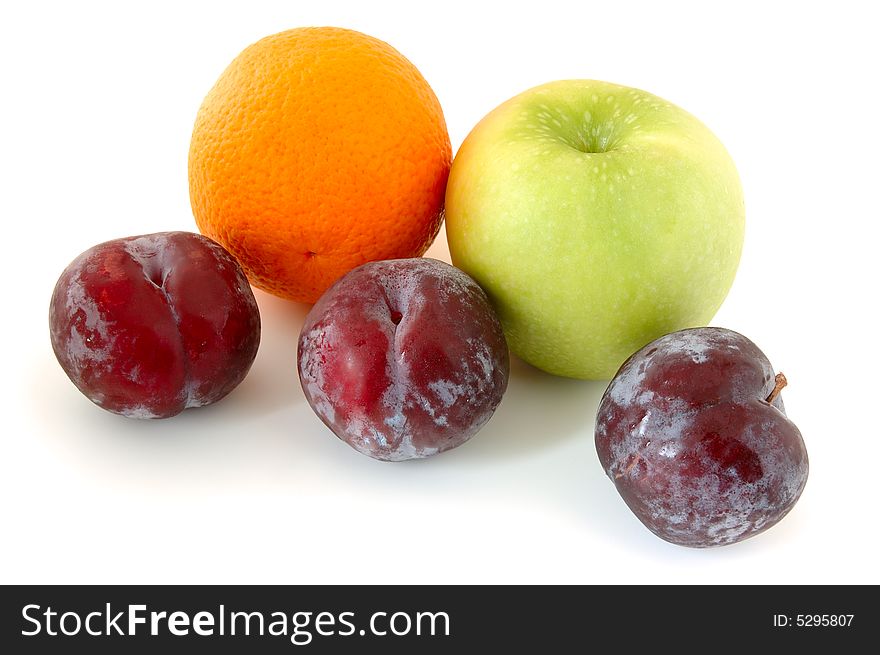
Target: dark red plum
693,432
147,326
403,358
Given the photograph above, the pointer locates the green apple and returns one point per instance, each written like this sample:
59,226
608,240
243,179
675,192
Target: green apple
597,218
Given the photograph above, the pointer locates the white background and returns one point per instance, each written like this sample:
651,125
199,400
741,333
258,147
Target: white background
98,103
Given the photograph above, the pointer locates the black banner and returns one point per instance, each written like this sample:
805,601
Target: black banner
338,619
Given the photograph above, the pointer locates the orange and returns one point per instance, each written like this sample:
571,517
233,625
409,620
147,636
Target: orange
317,150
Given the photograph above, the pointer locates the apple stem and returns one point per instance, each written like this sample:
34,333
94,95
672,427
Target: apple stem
781,383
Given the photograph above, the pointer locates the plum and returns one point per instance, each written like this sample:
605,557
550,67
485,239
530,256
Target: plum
693,432
403,358
147,326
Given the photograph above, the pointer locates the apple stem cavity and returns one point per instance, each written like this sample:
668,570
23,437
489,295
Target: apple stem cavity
781,383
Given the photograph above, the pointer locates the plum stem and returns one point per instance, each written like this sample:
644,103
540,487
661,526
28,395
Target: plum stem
629,468
781,383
